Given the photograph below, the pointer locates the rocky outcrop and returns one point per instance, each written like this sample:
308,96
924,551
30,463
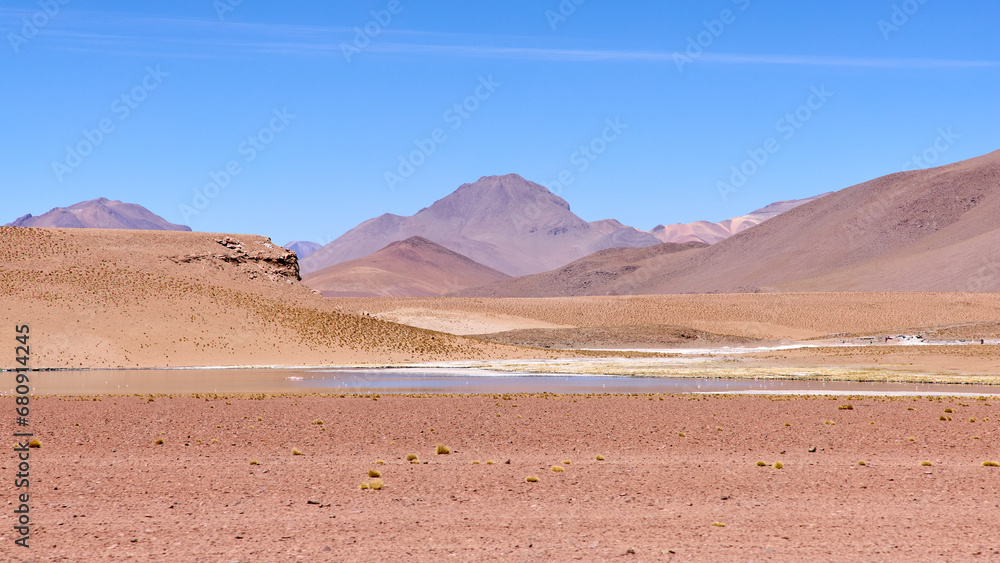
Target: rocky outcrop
255,259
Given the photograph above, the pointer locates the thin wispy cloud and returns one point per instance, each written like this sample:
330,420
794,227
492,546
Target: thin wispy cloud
182,37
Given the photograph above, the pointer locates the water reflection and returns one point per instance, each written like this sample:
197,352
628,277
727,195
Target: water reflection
456,380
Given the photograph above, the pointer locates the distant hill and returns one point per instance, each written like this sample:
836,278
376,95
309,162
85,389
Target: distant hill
597,274
711,233
415,267
302,248
504,222
100,213
925,230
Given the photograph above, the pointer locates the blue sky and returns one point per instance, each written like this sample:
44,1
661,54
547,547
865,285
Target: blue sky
717,107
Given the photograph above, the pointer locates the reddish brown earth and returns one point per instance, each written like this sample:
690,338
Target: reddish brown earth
674,465
505,222
925,230
415,267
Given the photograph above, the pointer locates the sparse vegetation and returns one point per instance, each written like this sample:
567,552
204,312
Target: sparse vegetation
531,479
989,463
443,449
317,421
862,463
364,485
379,462
557,468
926,463
489,462
475,462
846,407
374,473
159,442
567,462
254,462
411,457
779,465
718,524
34,443
296,451
599,457
375,484
761,464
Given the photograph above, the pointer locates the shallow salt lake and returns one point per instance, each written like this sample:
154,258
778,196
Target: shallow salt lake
442,380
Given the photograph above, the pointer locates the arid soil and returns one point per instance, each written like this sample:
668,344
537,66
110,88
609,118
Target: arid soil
101,298
679,481
767,316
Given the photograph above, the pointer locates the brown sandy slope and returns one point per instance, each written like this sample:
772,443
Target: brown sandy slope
925,230
106,298
505,222
674,465
415,267
100,213
711,233
595,274
763,315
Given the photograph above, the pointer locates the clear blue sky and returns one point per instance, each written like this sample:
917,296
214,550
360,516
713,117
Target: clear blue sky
199,80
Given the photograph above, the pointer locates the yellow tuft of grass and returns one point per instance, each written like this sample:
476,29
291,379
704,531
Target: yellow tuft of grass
375,484
34,443
989,463
681,434
719,428
558,468
830,422
254,462
531,479
411,457
846,408
489,462
761,464
718,524
475,462
567,462
379,462
926,463
779,465
911,438
296,451
443,449
364,485
317,421
374,473
159,442
862,463
599,457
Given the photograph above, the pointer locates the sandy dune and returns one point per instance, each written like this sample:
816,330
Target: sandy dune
679,480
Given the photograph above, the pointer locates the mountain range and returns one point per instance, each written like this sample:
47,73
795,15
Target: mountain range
504,222
935,229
